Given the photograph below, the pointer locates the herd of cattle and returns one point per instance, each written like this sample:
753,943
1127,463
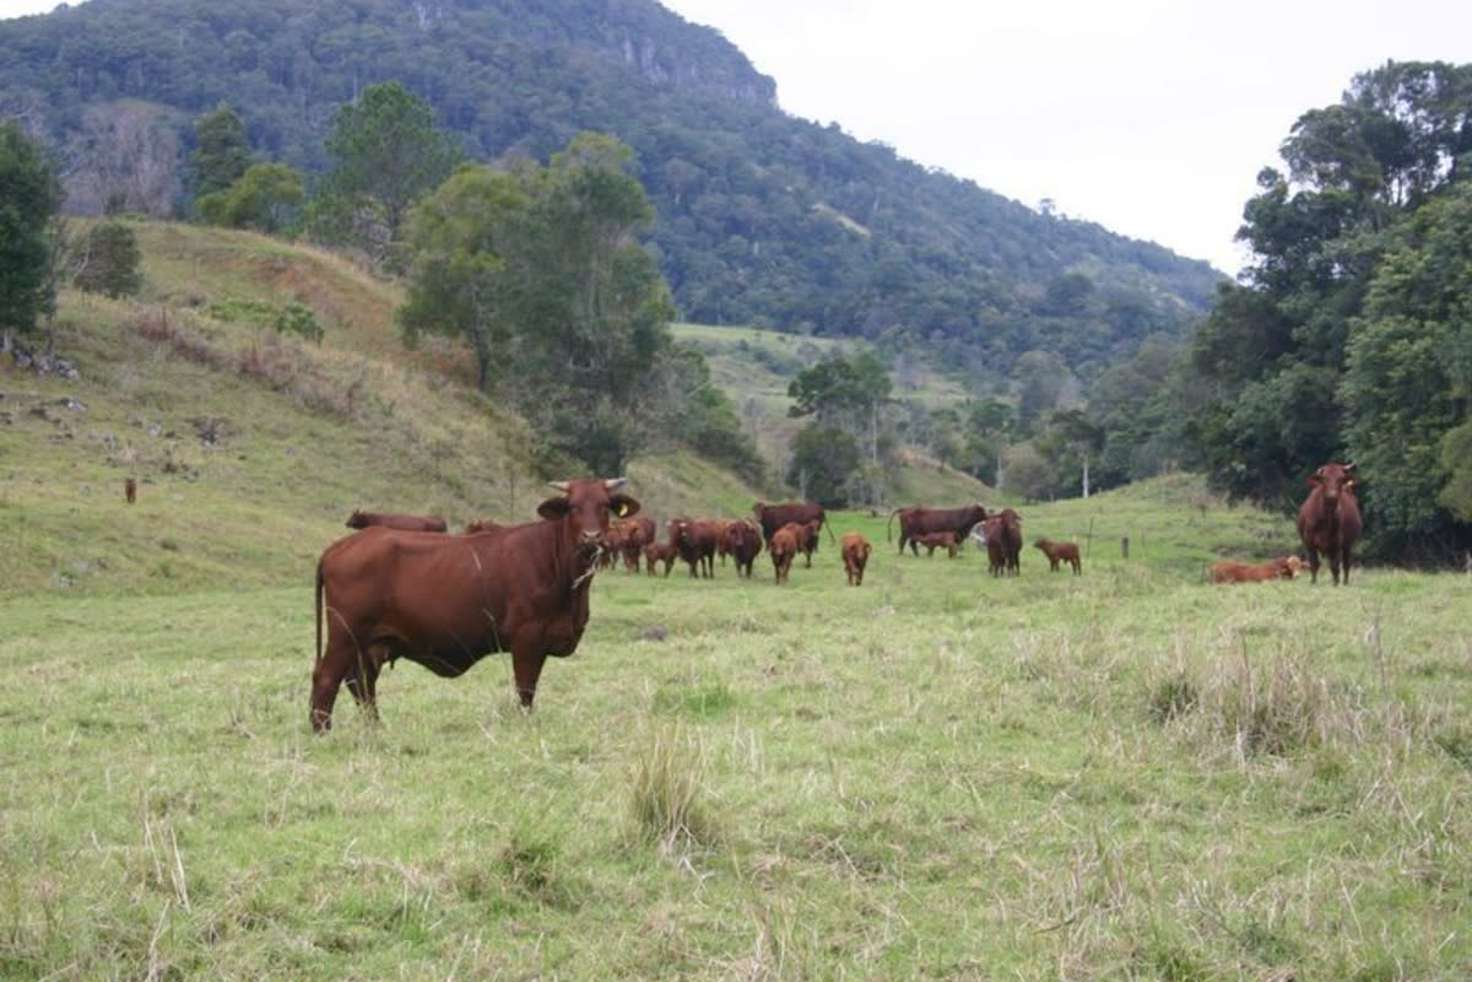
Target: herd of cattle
402,587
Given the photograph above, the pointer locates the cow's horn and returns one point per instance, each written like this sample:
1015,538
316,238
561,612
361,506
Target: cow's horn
615,483
563,486
1349,466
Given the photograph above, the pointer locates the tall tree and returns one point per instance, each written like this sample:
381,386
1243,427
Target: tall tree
387,153
460,285
222,153
267,197
29,197
540,269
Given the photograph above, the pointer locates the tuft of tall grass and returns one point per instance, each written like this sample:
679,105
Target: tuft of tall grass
666,790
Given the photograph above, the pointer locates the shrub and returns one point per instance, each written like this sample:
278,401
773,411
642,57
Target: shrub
109,261
299,319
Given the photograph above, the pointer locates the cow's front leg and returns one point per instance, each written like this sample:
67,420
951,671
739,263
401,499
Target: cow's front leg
527,658
1313,565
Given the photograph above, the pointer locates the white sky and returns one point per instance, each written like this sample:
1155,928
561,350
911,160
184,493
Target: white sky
1150,117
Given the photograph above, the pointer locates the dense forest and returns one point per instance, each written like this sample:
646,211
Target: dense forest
1352,335
761,218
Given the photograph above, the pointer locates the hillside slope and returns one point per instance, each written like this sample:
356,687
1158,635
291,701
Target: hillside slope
762,217
252,449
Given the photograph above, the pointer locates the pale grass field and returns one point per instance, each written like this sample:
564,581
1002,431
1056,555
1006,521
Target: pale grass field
938,774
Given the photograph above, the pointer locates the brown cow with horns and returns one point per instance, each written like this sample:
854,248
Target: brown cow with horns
448,601
1329,521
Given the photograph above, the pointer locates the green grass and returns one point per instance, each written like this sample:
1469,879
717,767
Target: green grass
940,774
937,774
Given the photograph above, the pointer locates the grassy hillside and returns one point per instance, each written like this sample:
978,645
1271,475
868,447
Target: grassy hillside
939,774
252,449
754,367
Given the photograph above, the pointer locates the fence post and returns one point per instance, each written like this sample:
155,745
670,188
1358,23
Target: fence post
1124,547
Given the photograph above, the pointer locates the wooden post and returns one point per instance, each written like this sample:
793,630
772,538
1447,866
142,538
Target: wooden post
1089,542
1124,547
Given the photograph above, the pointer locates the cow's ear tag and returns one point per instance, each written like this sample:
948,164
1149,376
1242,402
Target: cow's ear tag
623,508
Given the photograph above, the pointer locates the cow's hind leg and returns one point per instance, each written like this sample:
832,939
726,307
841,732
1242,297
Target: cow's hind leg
362,679
327,676
1313,565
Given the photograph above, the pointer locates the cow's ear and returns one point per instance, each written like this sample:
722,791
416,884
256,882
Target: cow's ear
554,508
1313,480
622,505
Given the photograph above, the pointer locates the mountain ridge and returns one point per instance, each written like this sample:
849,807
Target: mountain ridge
763,218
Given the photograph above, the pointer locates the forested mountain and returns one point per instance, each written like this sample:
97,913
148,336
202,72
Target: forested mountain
762,218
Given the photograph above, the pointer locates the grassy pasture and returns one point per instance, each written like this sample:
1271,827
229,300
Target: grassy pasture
754,367
938,774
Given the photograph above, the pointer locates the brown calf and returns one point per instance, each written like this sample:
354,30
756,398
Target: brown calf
937,540
783,549
855,557
1229,571
657,552
1060,552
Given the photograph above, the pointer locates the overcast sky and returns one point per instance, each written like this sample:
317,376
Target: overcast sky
1149,116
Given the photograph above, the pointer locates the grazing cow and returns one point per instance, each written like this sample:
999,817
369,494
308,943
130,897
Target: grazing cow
1329,521
918,521
773,517
1060,552
404,523
938,540
482,525
855,557
659,552
696,543
1228,571
1003,532
743,542
130,490
448,601
783,549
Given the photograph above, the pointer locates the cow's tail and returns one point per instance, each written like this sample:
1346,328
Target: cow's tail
889,526
319,610
829,526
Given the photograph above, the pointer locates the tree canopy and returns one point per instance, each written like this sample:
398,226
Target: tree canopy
29,197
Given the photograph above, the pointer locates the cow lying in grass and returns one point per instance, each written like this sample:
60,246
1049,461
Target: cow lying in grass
405,523
1229,571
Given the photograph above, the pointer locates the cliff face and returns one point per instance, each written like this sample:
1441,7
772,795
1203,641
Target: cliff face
662,66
